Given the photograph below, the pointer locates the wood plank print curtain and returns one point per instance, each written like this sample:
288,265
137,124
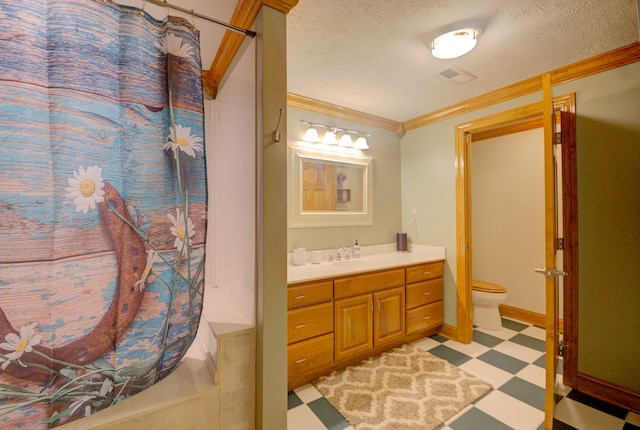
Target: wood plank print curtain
103,205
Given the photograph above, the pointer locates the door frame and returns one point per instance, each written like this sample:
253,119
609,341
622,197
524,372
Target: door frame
511,121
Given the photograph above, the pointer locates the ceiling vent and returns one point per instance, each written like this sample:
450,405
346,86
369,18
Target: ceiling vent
457,74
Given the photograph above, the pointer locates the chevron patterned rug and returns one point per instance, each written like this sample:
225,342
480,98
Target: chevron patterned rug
405,388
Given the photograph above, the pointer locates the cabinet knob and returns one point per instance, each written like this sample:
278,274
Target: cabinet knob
302,360
299,297
426,293
427,317
301,326
426,273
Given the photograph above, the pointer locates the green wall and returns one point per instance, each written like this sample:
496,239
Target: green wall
608,127
271,214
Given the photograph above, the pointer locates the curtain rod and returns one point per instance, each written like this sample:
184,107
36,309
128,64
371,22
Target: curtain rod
191,12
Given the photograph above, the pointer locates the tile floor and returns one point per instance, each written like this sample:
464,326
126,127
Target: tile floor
512,360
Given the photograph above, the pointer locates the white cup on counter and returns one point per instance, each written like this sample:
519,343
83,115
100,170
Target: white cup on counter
299,256
316,257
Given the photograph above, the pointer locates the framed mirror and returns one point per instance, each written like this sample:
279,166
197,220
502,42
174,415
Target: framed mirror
327,189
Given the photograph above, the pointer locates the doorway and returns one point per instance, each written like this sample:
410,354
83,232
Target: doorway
507,218
520,119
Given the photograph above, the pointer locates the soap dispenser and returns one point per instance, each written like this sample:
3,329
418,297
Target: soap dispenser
356,250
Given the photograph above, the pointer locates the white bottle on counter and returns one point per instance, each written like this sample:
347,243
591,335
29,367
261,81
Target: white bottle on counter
356,250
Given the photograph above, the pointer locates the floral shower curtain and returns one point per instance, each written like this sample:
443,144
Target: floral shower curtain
103,205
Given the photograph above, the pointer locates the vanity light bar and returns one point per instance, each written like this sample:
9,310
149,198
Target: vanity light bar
312,136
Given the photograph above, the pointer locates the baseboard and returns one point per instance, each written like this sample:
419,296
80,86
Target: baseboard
609,392
449,331
525,316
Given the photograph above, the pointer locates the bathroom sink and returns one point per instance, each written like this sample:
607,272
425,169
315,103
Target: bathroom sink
349,263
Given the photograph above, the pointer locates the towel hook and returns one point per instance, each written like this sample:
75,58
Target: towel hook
276,135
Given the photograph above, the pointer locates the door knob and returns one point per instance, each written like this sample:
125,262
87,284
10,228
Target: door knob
551,272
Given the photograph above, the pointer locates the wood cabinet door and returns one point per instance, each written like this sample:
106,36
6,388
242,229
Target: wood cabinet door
353,326
389,315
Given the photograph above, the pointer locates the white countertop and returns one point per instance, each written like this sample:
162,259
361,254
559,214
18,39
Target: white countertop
366,263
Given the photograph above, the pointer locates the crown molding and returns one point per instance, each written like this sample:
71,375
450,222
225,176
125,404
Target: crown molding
600,63
313,105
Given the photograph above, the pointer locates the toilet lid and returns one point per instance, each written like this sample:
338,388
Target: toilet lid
487,287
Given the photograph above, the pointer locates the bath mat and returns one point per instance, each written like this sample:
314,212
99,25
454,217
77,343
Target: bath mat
405,388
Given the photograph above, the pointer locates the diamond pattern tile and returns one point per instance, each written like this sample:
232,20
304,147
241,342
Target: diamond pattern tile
513,361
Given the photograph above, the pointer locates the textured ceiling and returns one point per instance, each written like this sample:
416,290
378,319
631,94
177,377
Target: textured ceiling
372,55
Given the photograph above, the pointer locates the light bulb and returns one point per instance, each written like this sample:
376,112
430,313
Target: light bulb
345,140
330,137
361,143
311,135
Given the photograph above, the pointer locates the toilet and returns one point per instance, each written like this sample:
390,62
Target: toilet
486,297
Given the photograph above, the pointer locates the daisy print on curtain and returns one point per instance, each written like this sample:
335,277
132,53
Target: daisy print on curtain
103,201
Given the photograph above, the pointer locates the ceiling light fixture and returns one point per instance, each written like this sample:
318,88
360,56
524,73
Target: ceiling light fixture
454,43
330,136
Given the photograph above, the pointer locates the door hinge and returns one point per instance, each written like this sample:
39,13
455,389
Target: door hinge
561,347
557,138
559,243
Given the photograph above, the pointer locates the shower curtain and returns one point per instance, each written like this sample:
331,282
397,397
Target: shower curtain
103,205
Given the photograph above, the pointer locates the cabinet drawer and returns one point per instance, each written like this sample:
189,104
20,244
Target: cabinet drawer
310,355
423,272
309,322
309,294
368,283
424,317
423,293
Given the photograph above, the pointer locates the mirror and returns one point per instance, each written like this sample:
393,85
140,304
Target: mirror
328,189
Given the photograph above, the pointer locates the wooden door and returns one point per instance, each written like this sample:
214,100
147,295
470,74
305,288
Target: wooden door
353,326
561,124
389,316
319,187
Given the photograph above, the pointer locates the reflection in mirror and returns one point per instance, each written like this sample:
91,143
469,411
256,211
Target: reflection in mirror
329,188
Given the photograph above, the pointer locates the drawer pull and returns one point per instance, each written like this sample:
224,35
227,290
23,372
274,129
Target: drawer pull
302,360
427,318
426,293
300,297
301,326
426,273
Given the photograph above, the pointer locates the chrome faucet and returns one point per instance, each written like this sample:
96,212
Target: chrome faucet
338,256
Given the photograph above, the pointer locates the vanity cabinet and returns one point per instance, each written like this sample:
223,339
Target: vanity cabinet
309,330
335,322
425,308
366,321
